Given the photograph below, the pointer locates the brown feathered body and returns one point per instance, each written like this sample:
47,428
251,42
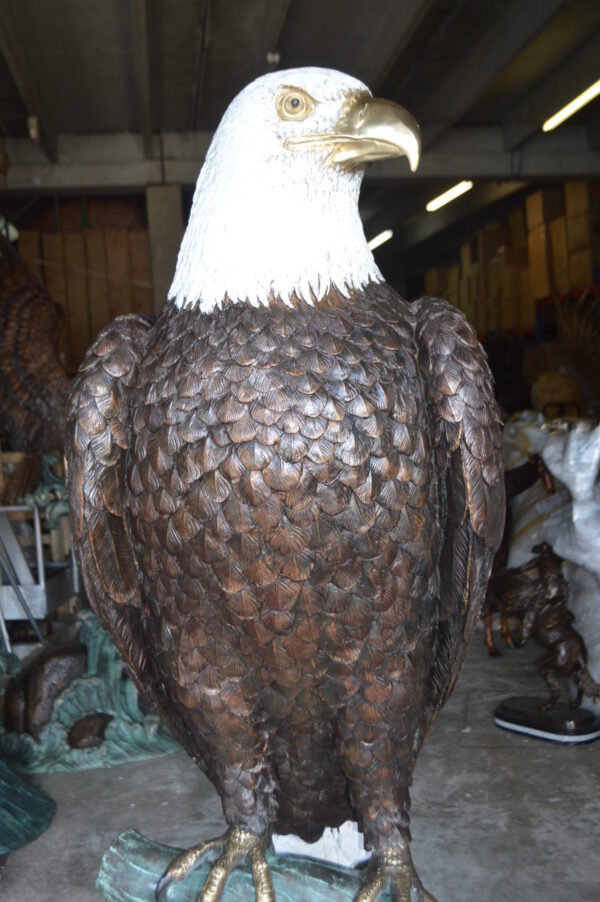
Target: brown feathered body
286,519
34,387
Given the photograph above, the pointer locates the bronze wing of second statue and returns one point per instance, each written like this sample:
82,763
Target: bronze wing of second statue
34,387
286,495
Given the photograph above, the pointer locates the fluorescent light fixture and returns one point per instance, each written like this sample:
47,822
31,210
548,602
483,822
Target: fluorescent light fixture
380,239
572,107
447,196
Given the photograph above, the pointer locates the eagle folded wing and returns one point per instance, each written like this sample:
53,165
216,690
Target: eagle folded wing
467,442
97,440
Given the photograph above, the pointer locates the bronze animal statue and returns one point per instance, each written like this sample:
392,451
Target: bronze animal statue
286,489
34,387
538,593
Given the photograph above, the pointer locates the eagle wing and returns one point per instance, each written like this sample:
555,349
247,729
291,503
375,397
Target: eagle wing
96,445
467,444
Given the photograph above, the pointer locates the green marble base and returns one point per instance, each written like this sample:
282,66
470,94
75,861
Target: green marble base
133,865
25,812
133,733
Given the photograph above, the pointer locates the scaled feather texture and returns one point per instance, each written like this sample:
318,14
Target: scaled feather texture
34,387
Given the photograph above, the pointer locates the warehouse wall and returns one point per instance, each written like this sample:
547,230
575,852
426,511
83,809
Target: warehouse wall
95,261
546,249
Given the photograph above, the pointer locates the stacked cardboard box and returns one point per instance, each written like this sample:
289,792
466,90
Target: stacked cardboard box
548,246
560,256
526,301
468,289
517,227
453,285
510,262
490,239
435,282
582,207
542,207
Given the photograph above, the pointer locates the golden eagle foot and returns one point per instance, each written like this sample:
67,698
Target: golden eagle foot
236,845
393,870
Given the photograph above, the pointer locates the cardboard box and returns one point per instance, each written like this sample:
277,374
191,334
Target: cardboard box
540,270
509,313
463,293
526,301
560,255
543,206
581,266
453,279
584,231
511,261
435,282
489,239
579,232
468,255
493,315
580,197
473,279
478,320
517,227
493,278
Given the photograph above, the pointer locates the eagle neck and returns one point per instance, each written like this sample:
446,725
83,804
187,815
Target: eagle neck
290,229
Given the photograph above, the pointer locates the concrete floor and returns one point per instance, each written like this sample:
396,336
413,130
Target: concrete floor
496,816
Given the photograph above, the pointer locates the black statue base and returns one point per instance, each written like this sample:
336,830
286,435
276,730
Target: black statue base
562,723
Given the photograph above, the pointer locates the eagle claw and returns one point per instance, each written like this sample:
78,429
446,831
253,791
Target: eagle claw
393,869
236,844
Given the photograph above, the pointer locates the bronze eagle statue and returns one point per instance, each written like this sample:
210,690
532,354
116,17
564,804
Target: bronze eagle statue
34,388
286,489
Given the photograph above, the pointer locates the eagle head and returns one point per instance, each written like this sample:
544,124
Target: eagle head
275,212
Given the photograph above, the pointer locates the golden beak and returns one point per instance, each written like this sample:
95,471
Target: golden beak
368,129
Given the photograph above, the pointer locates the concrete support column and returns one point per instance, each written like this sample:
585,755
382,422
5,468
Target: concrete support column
165,229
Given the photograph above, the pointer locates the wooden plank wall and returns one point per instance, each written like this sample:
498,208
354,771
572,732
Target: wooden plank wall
30,250
95,274
97,284
78,315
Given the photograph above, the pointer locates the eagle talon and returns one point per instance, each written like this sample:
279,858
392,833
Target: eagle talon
236,844
393,869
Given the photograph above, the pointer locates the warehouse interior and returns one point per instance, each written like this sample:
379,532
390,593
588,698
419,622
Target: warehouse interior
124,102
107,111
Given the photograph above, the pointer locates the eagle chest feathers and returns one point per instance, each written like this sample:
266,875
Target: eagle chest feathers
281,502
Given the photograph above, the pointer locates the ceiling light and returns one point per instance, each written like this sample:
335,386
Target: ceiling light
572,107
447,196
380,239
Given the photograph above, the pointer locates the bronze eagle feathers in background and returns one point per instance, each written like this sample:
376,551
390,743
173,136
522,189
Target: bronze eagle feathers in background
34,387
286,489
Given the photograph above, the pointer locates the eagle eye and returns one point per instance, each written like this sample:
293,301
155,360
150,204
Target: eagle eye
294,104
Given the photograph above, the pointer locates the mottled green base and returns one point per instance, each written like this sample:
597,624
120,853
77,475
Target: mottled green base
25,812
133,865
132,735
